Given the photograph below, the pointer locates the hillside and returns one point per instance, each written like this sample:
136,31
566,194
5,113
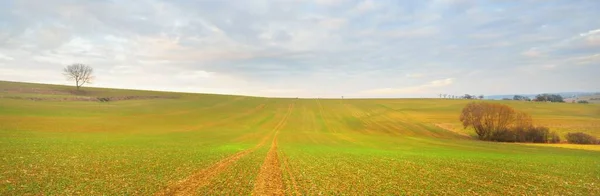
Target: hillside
57,141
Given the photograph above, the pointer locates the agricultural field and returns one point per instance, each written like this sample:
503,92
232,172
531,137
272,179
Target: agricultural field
55,142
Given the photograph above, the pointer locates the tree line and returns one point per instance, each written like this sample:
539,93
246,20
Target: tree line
466,96
539,98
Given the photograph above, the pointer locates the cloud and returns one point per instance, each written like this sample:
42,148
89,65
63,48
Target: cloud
590,33
329,2
6,58
333,23
415,75
321,47
419,89
532,53
366,5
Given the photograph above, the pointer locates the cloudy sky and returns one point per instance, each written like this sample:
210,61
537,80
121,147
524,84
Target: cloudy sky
308,48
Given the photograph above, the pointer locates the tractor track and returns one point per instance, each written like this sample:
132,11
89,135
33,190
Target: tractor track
192,183
270,180
225,120
290,171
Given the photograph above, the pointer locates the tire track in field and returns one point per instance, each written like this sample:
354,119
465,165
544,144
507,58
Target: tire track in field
225,120
325,121
218,105
334,131
270,180
189,185
181,112
290,171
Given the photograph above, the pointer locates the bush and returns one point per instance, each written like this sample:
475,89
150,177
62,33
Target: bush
501,123
537,135
525,134
103,99
581,138
583,101
553,137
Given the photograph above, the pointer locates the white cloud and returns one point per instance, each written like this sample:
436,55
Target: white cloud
329,2
333,23
415,75
328,48
532,53
420,89
5,57
365,6
591,32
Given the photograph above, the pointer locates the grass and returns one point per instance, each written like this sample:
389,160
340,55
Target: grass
324,146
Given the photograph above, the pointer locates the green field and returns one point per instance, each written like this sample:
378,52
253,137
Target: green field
182,144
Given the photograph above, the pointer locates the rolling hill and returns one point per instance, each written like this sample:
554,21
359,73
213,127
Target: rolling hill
56,141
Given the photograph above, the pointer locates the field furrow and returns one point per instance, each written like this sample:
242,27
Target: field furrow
269,180
202,178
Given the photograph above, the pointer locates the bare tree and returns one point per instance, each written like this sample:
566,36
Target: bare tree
80,73
488,118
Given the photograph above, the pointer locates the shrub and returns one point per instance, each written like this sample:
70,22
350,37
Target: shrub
537,135
583,101
553,137
497,122
103,99
581,138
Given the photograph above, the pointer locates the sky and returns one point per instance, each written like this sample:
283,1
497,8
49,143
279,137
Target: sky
308,48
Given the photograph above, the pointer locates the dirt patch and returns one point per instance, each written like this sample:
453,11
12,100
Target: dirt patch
36,91
269,180
81,98
44,94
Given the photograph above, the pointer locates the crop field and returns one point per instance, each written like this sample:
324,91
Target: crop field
54,142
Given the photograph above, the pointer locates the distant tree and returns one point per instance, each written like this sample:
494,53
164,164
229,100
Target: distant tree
549,97
517,97
521,98
583,101
467,96
80,73
480,97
